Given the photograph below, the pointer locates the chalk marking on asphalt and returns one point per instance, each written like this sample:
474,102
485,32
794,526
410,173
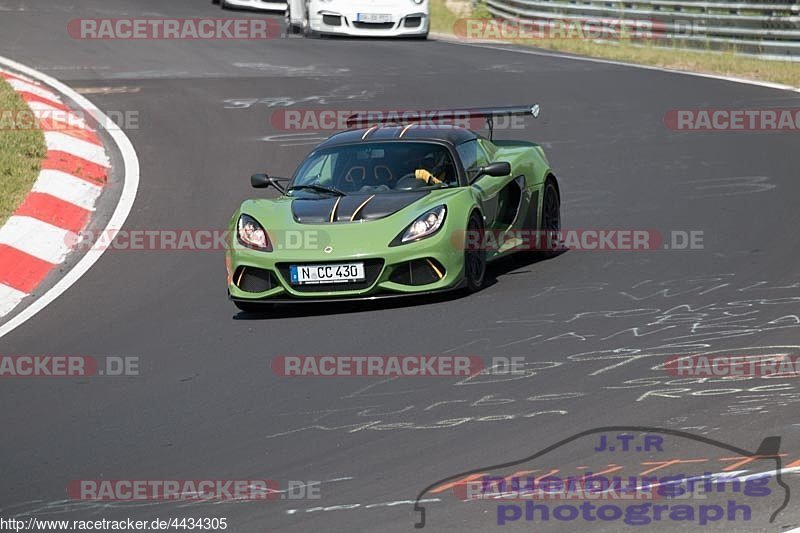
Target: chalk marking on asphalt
349,506
130,165
727,476
108,90
68,505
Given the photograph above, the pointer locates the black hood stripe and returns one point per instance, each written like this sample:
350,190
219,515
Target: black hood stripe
333,209
360,207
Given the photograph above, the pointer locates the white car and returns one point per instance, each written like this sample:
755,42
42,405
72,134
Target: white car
363,18
269,5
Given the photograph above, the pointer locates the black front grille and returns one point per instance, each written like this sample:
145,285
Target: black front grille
373,25
332,20
417,272
372,269
412,22
251,279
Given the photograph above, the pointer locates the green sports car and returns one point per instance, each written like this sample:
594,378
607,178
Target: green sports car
392,209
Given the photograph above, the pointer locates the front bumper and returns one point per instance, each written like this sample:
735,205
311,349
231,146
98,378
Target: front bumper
430,265
378,296
410,23
258,4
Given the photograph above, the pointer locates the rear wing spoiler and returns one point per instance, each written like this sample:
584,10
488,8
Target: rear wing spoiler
403,118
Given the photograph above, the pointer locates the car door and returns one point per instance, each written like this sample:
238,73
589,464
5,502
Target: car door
473,157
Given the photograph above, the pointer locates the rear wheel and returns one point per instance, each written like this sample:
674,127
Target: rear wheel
551,218
474,256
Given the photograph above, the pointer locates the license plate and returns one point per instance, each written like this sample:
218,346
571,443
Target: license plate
373,17
342,273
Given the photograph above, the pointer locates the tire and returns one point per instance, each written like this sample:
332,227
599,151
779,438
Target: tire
551,215
215,2
308,33
252,307
475,260
223,4
291,29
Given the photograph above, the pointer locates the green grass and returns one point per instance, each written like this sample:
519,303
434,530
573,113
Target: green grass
722,63
21,153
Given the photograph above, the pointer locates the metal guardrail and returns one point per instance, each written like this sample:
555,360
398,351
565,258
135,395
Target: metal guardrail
769,28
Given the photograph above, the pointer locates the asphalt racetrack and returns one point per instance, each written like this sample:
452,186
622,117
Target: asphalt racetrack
592,326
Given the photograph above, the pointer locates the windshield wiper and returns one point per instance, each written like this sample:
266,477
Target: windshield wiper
318,188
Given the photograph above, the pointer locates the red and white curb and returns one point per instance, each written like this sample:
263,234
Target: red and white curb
44,229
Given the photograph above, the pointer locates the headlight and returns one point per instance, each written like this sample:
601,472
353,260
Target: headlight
418,2
250,233
425,226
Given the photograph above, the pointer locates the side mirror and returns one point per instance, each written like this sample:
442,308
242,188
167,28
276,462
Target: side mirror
500,168
262,181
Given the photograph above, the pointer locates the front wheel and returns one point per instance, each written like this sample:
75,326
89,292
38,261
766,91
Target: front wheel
308,33
475,255
291,28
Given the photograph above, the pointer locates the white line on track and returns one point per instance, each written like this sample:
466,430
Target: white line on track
127,197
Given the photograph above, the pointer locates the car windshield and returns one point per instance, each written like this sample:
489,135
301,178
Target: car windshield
380,167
